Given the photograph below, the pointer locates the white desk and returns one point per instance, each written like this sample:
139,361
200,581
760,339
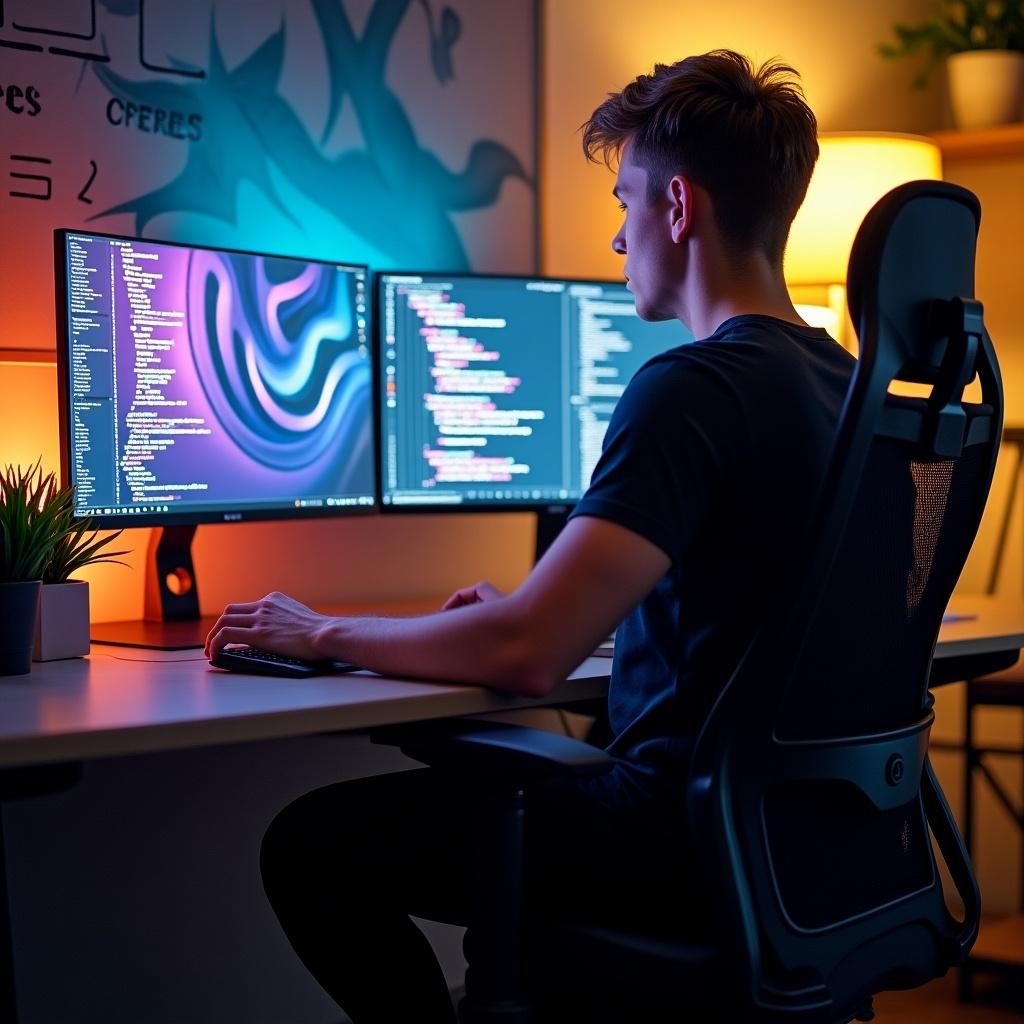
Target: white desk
126,701
112,703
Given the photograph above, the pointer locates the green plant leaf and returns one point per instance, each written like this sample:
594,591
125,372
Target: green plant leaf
955,27
40,536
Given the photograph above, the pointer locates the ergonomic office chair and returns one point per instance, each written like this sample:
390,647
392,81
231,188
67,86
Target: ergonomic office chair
811,798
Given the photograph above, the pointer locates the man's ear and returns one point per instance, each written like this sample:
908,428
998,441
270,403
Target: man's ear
680,194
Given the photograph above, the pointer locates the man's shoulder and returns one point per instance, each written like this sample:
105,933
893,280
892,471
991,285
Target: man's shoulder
747,360
684,384
726,353
750,343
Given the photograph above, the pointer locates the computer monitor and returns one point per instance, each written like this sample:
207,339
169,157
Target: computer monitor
496,392
203,385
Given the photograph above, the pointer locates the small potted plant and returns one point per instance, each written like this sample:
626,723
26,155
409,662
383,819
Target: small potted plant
41,545
26,545
982,44
62,628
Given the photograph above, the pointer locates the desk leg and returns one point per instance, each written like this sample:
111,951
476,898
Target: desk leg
1020,825
8,997
965,985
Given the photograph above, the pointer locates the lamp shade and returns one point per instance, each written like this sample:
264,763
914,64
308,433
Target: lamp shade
854,171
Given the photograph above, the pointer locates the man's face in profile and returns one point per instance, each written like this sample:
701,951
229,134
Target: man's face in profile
644,238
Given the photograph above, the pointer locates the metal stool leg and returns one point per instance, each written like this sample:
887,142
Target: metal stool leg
965,980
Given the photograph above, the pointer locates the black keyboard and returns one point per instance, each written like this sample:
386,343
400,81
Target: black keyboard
266,663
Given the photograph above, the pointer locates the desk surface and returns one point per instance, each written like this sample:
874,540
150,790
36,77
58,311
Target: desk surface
126,701
991,624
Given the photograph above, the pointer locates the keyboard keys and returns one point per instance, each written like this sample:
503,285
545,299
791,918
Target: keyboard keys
256,661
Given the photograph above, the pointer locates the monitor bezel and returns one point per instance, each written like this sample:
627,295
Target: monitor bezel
547,506
193,517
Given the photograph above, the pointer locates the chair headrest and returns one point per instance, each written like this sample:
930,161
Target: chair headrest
915,247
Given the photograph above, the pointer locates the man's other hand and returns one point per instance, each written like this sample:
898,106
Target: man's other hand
476,594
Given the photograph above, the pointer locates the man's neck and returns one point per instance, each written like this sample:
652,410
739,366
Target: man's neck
756,288
714,314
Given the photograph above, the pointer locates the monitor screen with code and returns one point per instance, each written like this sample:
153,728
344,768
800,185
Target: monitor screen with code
497,391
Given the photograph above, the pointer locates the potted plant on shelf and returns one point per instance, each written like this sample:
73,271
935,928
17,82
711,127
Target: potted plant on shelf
41,545
982,44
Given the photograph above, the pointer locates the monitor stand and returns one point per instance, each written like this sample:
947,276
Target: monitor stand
172,621
550,522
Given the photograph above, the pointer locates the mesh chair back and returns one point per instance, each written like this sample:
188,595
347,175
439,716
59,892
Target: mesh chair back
823,798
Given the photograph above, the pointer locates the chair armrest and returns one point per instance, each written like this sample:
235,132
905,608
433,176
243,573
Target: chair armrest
489,748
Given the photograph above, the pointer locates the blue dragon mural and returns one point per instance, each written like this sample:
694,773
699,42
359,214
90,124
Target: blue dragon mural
390,204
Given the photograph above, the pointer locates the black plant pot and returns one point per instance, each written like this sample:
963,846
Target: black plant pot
19,605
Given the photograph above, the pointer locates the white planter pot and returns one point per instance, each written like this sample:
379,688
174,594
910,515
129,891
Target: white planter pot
986,87
62,625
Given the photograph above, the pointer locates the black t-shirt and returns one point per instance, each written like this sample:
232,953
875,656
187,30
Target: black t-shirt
715,453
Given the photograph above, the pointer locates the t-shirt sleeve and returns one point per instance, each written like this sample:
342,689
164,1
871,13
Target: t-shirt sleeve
662,457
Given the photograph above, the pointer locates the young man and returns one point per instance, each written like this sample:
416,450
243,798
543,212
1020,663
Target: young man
710,468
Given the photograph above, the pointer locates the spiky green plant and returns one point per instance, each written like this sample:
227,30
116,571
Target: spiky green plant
40,538
79,545
27,538
958,26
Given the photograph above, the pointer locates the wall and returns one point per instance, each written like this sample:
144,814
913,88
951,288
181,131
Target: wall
832,45
998,184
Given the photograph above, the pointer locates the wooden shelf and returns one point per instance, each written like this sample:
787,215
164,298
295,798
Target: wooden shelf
977,144
41,357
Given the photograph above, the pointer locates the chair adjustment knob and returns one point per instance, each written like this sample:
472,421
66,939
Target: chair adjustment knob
894,769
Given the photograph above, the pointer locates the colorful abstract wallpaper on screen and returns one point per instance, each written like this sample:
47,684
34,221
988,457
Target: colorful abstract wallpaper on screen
397,133
204,381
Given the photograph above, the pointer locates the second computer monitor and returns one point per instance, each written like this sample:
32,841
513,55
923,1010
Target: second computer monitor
497,391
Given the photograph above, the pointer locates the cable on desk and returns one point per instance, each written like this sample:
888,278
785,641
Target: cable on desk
152,661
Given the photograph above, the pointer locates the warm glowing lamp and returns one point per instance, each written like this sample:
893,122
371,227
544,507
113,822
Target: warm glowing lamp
854,171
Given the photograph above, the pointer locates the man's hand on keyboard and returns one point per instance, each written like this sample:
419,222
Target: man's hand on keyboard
276,623
476,594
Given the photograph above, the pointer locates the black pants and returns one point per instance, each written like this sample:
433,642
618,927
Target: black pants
346,865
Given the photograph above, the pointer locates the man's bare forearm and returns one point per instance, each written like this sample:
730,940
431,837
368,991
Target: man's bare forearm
488,644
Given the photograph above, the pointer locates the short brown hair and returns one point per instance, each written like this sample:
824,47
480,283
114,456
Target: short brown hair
746,136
